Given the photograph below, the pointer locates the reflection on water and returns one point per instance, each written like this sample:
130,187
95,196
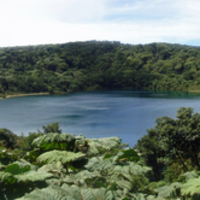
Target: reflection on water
126,114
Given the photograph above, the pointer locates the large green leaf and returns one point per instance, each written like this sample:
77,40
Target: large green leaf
128,155
98,163
189,175
52,141
69,193
81,177
124,184
53,137
15,169
124,176
19,167
44,194
23,163
131,168
7,178
55,167
191,187
96,146
63,156
12,186
172,190
33,176
130,176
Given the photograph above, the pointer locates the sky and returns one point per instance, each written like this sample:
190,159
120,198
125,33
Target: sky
33,22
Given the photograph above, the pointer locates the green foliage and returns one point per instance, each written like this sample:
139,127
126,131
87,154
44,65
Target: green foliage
14,169
129,155
52,128
191,186
173,143
190,175
97,65
26,143
175,171
7,157
8,139
171,191
32,155
52,141
102,145
20,177
62,156
73,193
84,177
117,174
55,168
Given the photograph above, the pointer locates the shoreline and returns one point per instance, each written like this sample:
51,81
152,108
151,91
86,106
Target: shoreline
8,96
194,91
23,95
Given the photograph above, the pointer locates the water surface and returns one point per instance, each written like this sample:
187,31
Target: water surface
126,114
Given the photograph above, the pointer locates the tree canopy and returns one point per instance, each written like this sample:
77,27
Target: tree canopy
93,65
173,141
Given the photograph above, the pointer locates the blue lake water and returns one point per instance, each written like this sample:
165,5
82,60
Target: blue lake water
126,114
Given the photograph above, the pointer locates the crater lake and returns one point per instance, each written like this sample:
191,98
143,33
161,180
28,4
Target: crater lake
125,114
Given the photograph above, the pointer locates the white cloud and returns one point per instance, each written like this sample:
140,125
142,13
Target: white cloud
57,21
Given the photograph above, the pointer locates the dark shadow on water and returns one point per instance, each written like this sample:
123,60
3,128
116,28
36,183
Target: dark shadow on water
150,94
72,116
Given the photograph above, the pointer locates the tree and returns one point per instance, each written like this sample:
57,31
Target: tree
8,138
52,128
172,141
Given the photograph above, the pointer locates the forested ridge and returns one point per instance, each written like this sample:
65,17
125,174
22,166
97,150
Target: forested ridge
93,65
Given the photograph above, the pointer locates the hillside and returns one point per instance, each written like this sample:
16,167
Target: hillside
94,65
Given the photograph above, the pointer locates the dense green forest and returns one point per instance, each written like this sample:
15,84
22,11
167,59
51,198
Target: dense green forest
49,164
93,65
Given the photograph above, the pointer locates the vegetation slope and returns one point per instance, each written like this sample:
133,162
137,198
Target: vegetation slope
94,65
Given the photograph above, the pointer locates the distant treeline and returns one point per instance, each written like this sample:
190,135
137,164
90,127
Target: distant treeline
94,65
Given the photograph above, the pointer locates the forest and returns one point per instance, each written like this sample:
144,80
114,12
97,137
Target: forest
49,164
94,65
